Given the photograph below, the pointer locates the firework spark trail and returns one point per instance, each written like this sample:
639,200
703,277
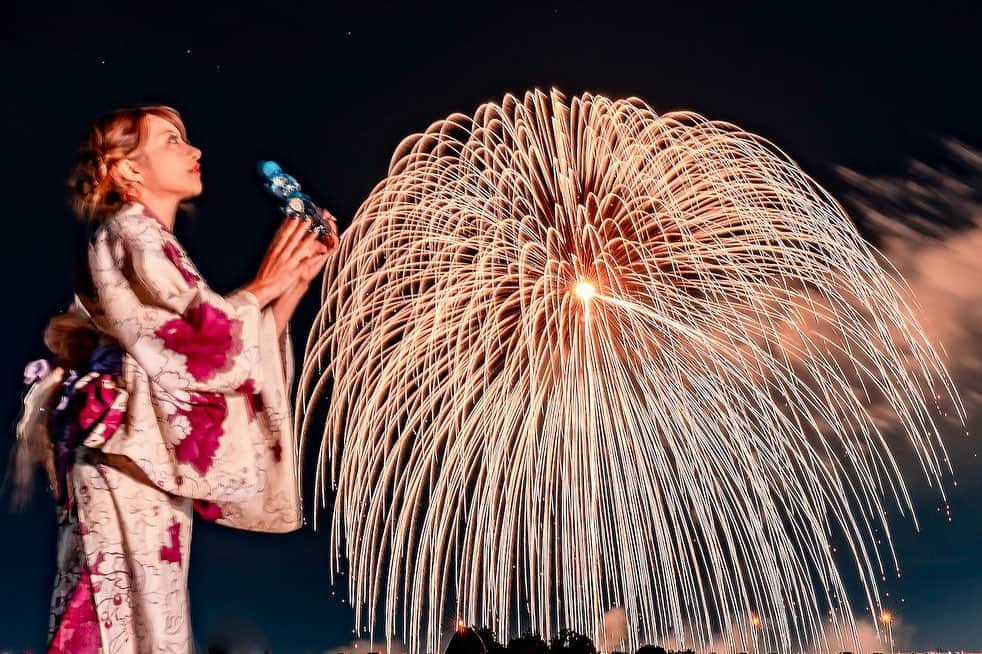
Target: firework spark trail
565,350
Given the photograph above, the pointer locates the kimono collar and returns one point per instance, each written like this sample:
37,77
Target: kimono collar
143,210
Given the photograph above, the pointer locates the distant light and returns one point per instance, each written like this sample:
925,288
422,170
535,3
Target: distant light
886,618
755,620
461,625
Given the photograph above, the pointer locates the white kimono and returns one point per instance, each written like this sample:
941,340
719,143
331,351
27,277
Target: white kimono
202,411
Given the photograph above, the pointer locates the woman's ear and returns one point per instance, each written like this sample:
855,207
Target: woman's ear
125,173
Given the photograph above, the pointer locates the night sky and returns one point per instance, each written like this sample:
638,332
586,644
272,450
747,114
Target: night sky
329,92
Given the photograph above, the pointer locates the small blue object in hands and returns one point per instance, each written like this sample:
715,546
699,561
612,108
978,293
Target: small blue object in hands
295,204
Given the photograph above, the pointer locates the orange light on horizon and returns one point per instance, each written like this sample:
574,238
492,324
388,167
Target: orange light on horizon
886,617
461,625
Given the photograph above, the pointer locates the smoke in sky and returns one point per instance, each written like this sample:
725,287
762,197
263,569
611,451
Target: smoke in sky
929,226
364,646
613,630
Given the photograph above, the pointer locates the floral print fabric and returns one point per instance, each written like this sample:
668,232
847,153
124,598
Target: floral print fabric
198,420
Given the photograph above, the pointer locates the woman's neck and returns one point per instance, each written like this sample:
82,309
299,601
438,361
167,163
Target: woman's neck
164,208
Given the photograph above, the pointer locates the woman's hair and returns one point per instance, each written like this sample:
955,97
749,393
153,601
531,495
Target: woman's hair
71,337
94,194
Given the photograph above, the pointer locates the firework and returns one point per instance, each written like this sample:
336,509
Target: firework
571,363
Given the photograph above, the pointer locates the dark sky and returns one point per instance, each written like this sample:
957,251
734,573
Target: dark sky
330,91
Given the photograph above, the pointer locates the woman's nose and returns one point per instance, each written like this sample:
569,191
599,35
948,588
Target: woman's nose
195,153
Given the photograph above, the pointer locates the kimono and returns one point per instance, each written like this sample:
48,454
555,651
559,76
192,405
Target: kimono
183,408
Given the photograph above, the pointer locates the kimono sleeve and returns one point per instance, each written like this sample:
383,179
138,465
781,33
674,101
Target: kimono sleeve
186,337
206,379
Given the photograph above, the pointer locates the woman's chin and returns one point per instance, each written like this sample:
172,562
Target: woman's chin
193,192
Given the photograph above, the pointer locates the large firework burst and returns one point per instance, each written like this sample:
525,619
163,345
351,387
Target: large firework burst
571,362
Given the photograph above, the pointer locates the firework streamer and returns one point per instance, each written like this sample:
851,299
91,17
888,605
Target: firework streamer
567,355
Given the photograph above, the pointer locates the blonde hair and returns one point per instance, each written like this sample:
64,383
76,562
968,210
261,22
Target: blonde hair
95,195
34,446
71,337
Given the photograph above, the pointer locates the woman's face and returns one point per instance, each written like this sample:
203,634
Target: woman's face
167,163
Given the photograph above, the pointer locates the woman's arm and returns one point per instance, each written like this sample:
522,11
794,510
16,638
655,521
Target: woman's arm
284,306
188,338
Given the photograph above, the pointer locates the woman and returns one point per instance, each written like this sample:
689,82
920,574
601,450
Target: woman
163,397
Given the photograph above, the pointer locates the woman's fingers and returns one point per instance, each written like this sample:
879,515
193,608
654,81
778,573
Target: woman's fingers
331,240
332,222
312,265
310,246
296,252
331,243
294,238
297,231
281,240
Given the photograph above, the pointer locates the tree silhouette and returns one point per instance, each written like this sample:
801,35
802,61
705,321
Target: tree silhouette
491,643
651,649
528,643
568,641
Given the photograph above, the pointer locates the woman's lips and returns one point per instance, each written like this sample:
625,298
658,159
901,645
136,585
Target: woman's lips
196,170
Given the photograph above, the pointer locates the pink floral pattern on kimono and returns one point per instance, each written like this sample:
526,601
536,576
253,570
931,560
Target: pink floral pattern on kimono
207,510
171,552
206,337
254,400
205,415
197,368
78,631
172,253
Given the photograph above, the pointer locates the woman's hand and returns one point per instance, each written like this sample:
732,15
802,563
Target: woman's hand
312,265
286,304
284,261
